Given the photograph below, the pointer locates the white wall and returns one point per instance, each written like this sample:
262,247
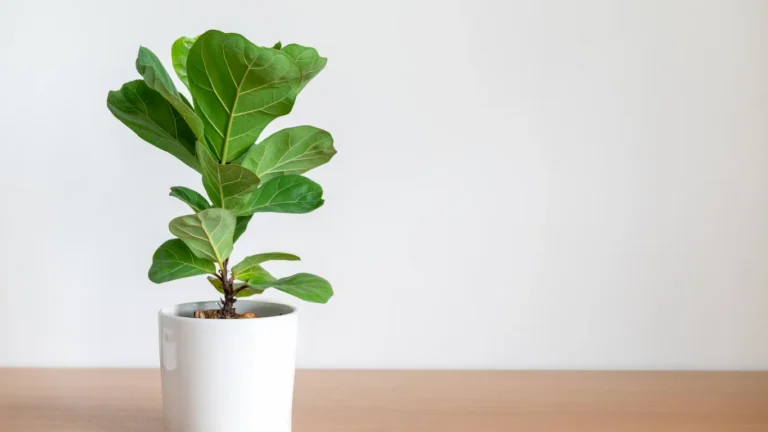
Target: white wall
519,184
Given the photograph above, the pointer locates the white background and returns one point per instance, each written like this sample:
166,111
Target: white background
519,184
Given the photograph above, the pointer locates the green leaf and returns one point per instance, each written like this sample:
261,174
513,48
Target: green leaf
154,119
179,54
192,198
237,285
156,77
254,272
241,225
174,260
257,272
285,194
294,150
309,61
208,233
249,267
278,45
238,89
305,286
228,186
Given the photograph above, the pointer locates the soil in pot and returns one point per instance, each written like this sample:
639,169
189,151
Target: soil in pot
217,314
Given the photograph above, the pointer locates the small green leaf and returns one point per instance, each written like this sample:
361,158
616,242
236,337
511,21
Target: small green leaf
294,150
278,45
305,286
285,194
246,292
179,54
309,62
228,186
192,198
208,233
154,119
249,267
238,89
241,225
260,275
254,272
156,77
174,260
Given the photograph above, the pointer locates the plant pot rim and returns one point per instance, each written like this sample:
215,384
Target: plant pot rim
173,312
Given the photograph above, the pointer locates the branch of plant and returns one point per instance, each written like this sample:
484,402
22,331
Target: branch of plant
227,310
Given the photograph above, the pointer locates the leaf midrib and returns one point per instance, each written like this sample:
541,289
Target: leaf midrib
211,242
234,106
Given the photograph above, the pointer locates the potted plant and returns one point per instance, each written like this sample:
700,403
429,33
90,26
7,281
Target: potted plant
229,365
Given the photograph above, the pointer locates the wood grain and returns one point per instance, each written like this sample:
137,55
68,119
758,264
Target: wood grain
81,400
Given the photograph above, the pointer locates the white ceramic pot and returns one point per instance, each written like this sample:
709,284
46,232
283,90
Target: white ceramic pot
228,375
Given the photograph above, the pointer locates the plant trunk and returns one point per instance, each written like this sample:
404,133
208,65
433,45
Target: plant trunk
228,302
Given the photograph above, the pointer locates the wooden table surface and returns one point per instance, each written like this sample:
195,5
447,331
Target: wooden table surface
83,400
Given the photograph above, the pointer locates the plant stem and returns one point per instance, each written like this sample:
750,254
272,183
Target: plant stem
227,305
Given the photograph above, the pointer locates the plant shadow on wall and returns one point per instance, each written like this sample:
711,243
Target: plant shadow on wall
237,89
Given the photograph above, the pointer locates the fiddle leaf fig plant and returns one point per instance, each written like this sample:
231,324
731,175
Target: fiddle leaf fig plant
237,88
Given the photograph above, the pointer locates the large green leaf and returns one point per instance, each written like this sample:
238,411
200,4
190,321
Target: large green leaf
228,186
285,194
293,150
157,78
179,54
241,225
154,119
245,292
238,88
174,260
196,201
305,286
249,267
208,233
